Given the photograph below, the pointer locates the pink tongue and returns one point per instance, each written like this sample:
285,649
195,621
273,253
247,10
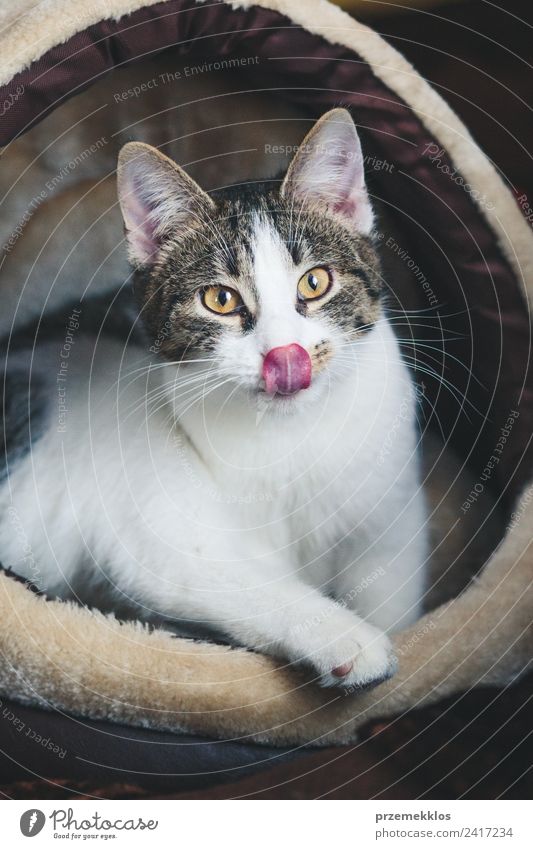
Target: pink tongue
286,370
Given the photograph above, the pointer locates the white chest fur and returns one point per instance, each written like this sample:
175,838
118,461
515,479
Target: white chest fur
235,512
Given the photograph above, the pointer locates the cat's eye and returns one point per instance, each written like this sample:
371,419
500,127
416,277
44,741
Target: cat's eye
221,299
314,283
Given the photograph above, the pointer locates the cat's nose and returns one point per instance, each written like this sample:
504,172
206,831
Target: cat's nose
286,370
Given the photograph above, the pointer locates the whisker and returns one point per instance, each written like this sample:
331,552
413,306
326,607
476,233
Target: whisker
203,396
424,368
163,390
230,395
159,404
424,344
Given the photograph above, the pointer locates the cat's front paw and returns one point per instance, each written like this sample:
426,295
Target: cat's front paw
356,661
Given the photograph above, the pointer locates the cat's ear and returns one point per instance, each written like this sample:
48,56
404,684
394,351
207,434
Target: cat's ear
156,197
328,170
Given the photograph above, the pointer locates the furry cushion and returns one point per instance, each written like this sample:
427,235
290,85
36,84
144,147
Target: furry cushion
55,654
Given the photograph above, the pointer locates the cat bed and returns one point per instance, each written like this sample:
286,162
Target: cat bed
468,254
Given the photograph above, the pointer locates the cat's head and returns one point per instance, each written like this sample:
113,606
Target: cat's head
265,283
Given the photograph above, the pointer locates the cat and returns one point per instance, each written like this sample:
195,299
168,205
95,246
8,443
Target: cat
246,459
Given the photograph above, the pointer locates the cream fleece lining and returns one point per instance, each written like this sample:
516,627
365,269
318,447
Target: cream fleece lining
55,654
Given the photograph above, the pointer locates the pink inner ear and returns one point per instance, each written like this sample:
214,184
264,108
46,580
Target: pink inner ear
350,183
140,226
345,207
331,171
